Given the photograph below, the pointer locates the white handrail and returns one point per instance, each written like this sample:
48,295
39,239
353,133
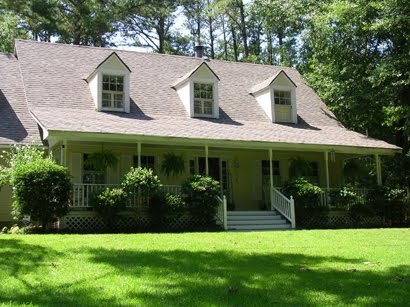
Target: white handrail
283,205
222,211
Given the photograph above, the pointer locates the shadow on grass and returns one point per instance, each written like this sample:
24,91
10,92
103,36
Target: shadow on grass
204,278
244,279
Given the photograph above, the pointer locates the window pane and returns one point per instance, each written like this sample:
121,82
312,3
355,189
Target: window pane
106,100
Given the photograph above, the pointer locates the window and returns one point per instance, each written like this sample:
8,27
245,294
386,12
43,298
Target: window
146,162
90,174
203,99
282,98
113,92
266,168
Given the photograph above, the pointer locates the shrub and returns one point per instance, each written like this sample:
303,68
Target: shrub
108,203
345,197
141,179
388,202
175,203
200,195
305,194
41,188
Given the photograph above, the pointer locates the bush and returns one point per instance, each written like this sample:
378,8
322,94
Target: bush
175,203
200,194
345,198
41,188
108,203
305,194
142,180
388,202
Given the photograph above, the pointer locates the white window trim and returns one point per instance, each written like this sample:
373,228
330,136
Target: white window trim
215,102
126,91
292,91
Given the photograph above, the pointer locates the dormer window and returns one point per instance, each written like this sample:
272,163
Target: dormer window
203,99
113,92
283,106
110,85
198,91
277,97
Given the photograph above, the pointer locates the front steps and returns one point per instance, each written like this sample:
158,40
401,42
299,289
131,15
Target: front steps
256,220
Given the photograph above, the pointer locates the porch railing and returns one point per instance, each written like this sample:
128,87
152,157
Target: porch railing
82,193
222,212
283,205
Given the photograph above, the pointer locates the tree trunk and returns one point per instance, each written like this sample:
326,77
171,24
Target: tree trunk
224,39
235,43
243,30
270,51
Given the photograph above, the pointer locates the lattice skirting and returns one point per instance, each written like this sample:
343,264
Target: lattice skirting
337,220
91,222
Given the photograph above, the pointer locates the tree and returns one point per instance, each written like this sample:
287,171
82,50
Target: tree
356,56
149,23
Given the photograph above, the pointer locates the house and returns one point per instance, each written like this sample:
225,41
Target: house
240,123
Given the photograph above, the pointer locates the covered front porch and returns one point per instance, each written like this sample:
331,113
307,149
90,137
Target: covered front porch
250,174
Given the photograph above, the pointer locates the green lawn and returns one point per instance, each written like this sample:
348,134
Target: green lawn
311,268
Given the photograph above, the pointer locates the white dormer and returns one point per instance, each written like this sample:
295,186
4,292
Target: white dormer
110,85
198,91
277,97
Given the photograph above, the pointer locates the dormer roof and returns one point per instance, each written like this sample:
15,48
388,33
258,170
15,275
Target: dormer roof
114,56
189,74
268,82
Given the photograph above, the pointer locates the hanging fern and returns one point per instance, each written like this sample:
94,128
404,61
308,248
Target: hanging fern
101,160
172,164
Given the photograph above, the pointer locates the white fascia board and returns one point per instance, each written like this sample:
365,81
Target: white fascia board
233,144
45,130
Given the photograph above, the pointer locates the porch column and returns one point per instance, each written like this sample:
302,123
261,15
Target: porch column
378,169
63,153
139,153
270,175
327,170
206,161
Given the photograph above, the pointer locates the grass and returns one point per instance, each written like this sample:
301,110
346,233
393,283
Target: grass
304,268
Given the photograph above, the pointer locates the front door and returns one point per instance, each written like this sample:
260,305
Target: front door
218,170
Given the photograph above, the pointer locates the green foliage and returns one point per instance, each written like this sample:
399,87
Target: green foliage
41,188
141,179
200,195
299,167
102,160
305,194
109,202
388,202
345,197
175,203
172,164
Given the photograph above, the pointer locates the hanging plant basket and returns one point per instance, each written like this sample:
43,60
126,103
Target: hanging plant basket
102,160
172,164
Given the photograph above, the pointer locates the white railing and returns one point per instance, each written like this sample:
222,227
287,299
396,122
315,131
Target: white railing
222,212
173,189
82,193
283,205
326,197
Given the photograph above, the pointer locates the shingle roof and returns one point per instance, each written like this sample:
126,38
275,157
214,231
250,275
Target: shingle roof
16,124
61,100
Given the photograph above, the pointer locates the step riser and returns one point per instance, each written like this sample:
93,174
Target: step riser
259,227
276,222
258,213
240,218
